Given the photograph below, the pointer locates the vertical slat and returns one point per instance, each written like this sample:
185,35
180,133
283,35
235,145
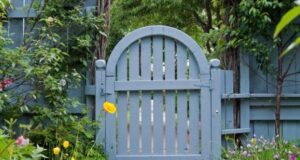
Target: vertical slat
99,100
182,100
146,105
257,78
205,121
170,96
271,76
16,31
261,128
216,110
110,120
245,89
158,103
134,99
194,112
271,130
122,106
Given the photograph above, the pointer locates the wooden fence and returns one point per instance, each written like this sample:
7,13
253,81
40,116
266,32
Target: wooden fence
257,89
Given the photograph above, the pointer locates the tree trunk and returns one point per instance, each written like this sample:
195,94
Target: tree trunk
104,10
278,103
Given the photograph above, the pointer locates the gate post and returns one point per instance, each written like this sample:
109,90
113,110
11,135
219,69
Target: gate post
100,98
215,75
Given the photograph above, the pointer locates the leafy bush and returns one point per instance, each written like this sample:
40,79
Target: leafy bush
36,77
19,149
261,148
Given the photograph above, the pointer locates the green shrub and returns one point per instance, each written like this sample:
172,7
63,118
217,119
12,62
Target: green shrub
19,149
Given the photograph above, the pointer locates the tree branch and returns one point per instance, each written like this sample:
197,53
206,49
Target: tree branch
290,74
199,21
209,15
291,60
289,40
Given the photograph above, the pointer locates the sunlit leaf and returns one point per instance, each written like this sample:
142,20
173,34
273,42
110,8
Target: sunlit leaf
286,19
290,47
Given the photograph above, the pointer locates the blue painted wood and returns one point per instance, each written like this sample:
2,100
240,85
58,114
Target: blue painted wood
267,113
227,112
170,96
194,109
159,85
244,88
164,62
271,77
205,123
297,70
157,96
158,31
260,128
227,104
134,98
122,107
271,129
99,100
181,59
289,86
235,131
16,31
216,109
290,130
161,157
146,96
110,120
17,3
257,78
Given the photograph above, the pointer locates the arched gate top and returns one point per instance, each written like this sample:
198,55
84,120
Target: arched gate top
158,30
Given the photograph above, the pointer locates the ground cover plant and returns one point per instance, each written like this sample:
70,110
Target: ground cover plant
260,148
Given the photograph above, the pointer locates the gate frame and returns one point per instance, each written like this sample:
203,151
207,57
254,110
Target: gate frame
209,72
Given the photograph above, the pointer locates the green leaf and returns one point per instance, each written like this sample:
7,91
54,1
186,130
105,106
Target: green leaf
286,19
290,47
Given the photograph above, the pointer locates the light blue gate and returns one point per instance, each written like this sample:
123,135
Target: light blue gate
167,95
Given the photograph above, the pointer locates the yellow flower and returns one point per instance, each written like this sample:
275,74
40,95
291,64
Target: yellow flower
109,107
56,150
50,20
253,141
66,144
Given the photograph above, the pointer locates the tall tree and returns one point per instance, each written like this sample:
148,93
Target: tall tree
103,9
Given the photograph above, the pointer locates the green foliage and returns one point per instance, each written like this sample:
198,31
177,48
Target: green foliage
4,4
127,15
9,149
247,24
261,148
285,20
293,45
36,77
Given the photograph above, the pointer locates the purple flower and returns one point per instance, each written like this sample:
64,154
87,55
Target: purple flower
292,157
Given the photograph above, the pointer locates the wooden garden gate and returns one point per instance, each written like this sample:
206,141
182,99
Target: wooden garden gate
167,95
